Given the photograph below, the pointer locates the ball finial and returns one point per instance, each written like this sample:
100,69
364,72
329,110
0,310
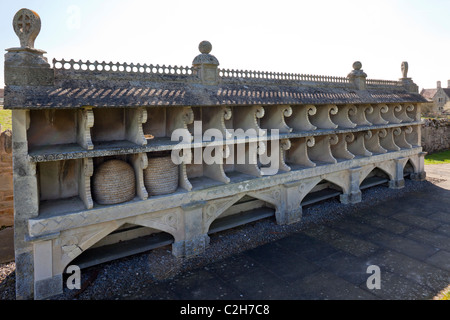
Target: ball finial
205,47
357,65
27,25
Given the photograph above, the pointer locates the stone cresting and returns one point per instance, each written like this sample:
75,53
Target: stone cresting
335,133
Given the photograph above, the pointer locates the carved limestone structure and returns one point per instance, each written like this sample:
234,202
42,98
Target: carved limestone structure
335,136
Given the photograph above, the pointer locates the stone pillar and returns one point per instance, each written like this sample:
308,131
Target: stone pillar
195,241
45,283
357,76
206,65
420,175
26,204
291,209
398,182
354,193
24,66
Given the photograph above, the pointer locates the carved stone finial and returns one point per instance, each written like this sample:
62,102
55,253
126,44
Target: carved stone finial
205,47
205,57
357,65
205,64
27,25
405,69
358,76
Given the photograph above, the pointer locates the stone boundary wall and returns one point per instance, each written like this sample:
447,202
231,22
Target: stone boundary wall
6,179
436,135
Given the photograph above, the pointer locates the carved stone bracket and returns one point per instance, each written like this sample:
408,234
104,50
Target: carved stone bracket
372,142
178,118
400,137
297,154
299,120
358,114
84,183
340,149
389,115
322,119
412,135
375,116
85,123
274,118
140,163
401,112
247,117
342,119
357,146
321,151
215,117
387,139
134,118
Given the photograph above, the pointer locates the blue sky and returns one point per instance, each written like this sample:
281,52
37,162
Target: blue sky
319,37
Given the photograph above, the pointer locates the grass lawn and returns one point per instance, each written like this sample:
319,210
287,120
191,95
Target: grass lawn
5,119
438,158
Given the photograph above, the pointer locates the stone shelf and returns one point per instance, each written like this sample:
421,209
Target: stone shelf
51,220
105,148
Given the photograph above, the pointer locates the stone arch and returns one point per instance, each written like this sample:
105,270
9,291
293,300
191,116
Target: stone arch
413,164
213,209
72,244
340,179
220,209
326,189
365,173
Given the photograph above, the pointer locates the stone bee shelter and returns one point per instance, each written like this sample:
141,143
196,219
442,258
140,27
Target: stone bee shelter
93,180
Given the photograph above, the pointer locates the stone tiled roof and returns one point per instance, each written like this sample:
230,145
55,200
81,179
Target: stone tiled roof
428,93
194,94
447,91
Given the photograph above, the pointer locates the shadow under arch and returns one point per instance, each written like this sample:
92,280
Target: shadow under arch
126,240
245,210
377,176
409,168
322,191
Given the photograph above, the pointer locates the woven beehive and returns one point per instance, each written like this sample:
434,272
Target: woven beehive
161,176
114,182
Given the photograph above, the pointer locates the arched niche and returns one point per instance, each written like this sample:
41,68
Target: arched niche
115,243
375,177
232,214
323,190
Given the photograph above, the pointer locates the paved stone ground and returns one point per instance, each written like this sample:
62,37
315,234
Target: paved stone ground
407,237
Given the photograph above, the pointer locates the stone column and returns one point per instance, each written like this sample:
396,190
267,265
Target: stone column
291,209
420,175
354,193
24,66
398,182
45,283
195,241
26,204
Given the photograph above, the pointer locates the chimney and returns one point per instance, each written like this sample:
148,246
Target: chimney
438,84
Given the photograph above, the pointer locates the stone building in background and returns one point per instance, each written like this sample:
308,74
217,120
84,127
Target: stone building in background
438,100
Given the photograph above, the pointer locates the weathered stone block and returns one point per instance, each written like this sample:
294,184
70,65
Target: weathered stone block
49,287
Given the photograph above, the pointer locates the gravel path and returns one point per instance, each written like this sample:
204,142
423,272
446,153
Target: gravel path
126,277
